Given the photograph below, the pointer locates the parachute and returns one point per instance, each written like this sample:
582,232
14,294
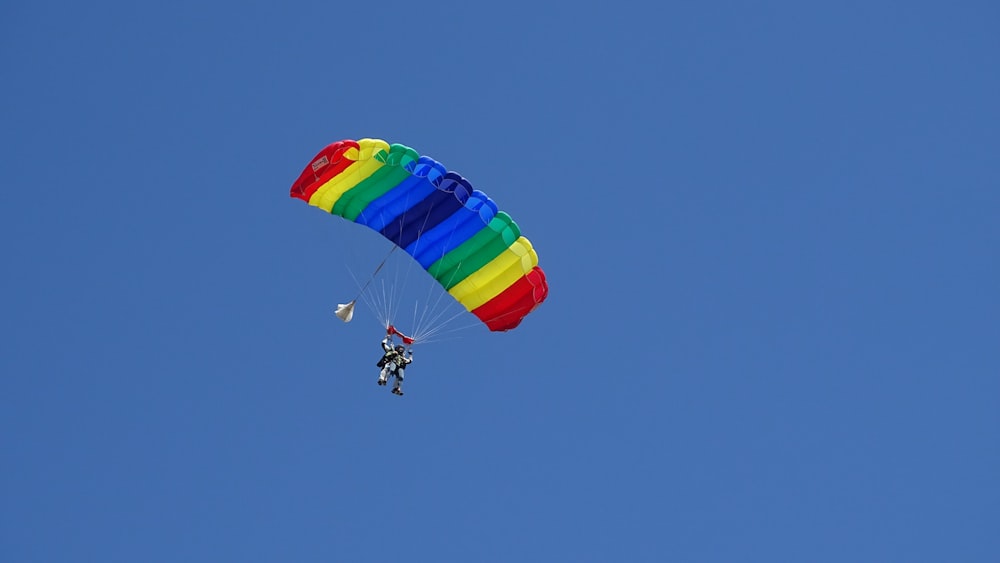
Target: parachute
456,233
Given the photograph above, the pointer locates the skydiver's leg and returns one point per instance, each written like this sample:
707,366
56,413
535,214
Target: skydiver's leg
388,369
398,387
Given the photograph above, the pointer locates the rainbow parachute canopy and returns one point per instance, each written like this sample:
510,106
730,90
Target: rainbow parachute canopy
456,233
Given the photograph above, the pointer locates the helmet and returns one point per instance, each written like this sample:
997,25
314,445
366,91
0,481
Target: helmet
399,348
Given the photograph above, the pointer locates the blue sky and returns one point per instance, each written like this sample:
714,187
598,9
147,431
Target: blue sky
770,231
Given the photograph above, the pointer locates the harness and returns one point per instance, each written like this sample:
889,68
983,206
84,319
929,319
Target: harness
393,356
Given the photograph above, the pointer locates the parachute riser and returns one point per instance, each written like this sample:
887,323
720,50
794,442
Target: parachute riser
391,330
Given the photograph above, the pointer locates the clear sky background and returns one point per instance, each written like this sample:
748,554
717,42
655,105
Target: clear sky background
771,231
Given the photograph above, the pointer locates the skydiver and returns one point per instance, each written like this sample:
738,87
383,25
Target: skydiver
393,363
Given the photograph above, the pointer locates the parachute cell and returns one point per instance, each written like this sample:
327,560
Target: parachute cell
455,232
